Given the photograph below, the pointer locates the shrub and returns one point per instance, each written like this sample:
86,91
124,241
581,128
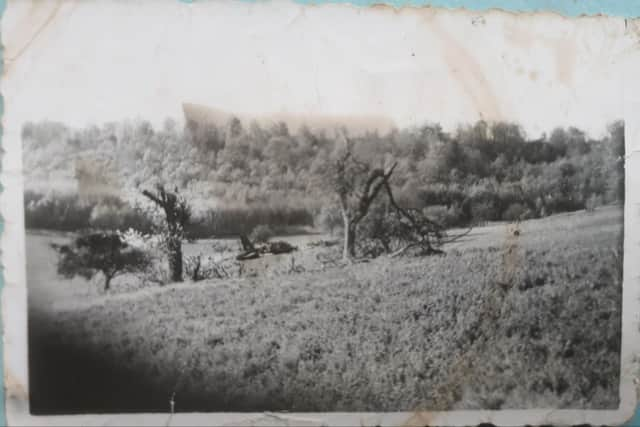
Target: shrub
100,252
198,268
261,234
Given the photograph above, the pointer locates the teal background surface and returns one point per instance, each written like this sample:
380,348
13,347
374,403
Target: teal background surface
623,8
620,8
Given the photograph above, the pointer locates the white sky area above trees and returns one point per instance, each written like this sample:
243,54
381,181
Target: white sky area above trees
95,61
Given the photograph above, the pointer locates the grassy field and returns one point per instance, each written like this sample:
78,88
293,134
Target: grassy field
503,320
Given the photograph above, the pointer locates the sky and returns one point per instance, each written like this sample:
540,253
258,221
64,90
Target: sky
96,61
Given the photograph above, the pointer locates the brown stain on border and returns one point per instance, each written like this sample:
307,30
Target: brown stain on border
419,418
565,57
14,388
563,47
467,71
462,64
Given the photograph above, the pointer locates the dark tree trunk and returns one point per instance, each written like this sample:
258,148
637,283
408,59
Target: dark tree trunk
349,250
107,282
347,241
351,241
177,213
175,259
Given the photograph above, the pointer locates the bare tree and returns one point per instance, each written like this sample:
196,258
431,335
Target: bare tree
417,230
357,186
176,215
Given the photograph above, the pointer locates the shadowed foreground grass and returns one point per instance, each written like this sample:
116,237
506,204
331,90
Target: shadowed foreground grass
526,321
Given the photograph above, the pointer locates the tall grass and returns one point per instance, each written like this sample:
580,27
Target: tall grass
528,322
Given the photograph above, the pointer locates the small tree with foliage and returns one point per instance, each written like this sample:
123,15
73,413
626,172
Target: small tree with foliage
176,215
104,253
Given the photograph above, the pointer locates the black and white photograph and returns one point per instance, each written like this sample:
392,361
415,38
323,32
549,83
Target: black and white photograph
232,207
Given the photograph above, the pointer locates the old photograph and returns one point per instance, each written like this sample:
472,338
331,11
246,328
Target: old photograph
244,208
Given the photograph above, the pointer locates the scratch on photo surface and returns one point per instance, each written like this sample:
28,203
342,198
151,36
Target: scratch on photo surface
270,418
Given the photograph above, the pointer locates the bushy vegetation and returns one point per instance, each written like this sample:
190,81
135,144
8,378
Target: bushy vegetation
69,212
506,321
199,267
155,248
64,212
105,253
540,304
272,176
172,213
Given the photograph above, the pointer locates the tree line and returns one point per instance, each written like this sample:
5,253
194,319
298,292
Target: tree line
240,176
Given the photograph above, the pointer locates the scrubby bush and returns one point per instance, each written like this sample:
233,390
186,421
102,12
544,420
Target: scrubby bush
199,268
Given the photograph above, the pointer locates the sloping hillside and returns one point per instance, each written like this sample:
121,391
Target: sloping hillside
510,322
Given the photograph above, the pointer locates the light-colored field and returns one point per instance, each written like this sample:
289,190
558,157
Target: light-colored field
501,321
